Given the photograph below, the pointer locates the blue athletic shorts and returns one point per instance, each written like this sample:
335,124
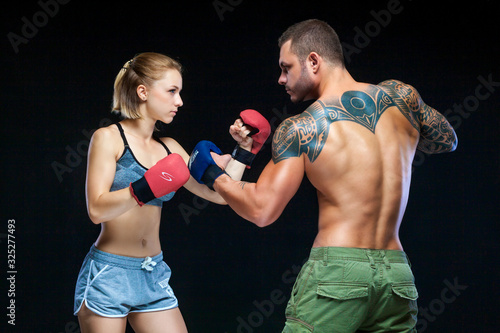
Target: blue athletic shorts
113,286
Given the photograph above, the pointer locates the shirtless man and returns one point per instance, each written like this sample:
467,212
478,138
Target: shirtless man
356,144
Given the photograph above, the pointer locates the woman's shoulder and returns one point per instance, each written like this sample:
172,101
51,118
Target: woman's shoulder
108,133
107,138
174,146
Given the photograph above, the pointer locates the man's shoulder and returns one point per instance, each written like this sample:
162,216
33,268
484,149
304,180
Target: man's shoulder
406,98
306,113
397,88
302,134
390,83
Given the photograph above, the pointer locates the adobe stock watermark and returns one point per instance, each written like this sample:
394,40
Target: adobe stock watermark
265,308
76,154
460,111
222,7
71,327
198,204
437,306
373,28
30,28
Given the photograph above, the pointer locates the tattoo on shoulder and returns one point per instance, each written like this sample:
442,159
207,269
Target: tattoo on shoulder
307,132
304,133
406,98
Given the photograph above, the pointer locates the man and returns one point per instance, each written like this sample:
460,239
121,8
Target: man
356,144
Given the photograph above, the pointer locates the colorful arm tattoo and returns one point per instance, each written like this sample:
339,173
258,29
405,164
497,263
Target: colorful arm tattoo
436,133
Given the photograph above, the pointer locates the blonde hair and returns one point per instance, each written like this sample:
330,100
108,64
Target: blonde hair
144,68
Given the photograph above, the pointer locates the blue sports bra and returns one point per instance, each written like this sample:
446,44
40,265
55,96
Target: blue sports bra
128,170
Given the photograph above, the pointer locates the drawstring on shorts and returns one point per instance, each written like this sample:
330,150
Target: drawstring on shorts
148,264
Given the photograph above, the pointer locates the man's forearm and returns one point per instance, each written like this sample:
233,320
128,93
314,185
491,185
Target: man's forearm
243,199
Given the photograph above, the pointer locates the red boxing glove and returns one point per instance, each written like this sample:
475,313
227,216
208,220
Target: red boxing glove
260,130
166,176
261,127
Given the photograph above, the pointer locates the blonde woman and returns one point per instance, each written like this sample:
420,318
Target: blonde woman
130,173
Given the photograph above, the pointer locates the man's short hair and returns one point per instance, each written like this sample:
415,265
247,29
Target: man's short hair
314,36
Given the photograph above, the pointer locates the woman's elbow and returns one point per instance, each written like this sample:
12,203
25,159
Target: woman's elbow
95,216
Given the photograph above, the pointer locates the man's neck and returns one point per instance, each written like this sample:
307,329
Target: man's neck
336,81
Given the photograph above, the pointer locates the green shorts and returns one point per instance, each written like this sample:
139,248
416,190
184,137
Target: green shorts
350,289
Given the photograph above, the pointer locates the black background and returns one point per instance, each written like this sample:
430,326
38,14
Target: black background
57,88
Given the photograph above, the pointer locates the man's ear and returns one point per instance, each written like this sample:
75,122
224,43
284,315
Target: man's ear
314,60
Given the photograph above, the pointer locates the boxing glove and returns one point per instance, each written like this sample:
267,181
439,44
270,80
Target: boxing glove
260,131
201,164
166,176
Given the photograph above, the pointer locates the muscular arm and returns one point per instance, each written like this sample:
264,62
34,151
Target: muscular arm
234,169
263,202
436,133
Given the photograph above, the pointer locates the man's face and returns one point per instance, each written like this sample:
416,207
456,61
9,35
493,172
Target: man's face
294,75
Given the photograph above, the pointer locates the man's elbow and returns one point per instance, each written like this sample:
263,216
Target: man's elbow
263,222
430,147
263,219
451,145
454,144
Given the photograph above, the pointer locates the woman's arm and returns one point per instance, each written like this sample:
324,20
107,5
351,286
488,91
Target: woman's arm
103,205
232,167
192,185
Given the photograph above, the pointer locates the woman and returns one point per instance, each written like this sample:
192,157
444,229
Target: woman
123,276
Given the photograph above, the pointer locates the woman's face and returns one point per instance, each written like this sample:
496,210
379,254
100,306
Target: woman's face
164,97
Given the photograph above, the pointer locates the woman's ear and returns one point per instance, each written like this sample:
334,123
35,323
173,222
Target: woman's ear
142,92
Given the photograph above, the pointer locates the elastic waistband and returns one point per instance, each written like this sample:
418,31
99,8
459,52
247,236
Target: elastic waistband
358,254
123,261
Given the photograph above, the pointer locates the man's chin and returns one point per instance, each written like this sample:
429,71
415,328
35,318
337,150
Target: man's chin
296,99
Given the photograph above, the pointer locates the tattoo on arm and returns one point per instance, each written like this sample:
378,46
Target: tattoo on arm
436,133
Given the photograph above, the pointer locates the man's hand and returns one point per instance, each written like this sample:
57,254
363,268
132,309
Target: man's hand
240,132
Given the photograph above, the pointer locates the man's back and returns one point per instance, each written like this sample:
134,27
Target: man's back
358,149
356,145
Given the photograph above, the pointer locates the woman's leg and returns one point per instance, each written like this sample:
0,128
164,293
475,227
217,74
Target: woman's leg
170,321
91,322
